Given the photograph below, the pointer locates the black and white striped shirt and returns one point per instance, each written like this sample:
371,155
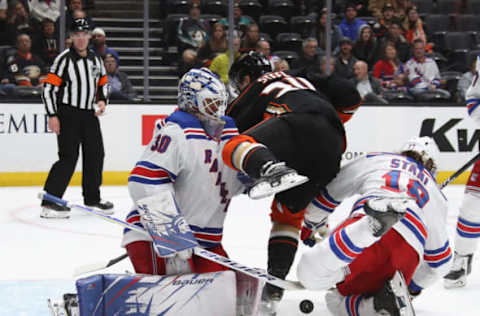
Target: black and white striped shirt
75,81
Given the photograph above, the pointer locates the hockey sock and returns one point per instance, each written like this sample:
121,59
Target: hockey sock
281,252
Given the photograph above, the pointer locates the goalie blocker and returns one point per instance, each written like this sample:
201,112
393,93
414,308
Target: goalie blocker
188,294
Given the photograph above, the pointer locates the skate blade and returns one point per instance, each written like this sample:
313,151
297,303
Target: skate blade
47,213
400,290
454,284
265,189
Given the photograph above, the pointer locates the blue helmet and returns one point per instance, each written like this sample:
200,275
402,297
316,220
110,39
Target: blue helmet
201,91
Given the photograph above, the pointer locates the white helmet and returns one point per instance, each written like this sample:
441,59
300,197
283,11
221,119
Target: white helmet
427,150
201,91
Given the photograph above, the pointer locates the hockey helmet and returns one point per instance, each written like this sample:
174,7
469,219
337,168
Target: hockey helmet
200,91
79,25
253,64
426,150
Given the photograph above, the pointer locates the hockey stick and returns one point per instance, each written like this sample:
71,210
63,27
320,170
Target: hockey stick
254,272
92,267
459,171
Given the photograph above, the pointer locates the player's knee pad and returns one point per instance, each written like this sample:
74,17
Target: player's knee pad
470,208
144,259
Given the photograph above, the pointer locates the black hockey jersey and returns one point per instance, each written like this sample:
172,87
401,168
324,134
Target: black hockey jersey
277,93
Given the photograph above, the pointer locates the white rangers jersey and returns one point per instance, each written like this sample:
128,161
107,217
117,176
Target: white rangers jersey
472,96
422,73
182,158
389,174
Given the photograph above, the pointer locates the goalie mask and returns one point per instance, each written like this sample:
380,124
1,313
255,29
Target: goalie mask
200,92
423,149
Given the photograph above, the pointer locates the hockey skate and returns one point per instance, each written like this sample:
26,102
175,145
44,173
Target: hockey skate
275,177
52,210
393,299
384,213
271,296
104,207
461,267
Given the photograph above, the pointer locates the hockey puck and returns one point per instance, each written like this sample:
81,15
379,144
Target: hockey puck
306,306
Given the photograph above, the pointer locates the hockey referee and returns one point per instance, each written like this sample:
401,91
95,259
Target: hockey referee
76,81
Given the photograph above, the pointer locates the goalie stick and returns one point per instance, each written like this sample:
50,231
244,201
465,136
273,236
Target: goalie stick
92,267
459,171
227,262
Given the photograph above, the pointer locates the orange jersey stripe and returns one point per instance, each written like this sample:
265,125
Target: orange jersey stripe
103,80
53,79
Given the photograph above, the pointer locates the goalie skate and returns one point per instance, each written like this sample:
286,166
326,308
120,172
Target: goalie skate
393,299
276,177
461,267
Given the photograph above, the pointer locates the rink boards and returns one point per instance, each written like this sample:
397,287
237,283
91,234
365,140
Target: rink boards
29,149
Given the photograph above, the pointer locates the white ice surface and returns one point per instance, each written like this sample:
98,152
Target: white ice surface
38,256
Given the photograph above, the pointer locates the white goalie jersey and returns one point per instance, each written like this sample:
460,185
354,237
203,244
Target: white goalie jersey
472,96
183,159
388,175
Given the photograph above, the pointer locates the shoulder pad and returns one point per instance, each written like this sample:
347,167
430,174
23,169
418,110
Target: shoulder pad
229,122
184,120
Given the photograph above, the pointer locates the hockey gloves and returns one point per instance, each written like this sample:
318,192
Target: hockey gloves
310,229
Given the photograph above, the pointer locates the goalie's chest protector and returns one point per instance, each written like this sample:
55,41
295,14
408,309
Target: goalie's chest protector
204,185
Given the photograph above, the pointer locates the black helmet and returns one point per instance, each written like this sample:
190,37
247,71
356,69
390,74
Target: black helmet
252,64
79,25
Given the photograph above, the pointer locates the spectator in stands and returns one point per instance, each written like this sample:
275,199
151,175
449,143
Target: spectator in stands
249,41
44,9
192,32
220,64
188,61
369,87
217,44
263,47
414,28
46,45
309,59
390,70
345,59
326,65
119,85
320,34
395,37
350,24
18,22
240,21
366,46
3,22
382,26
465,81
280,64
423,74
25,68
399,8
99,45
76,5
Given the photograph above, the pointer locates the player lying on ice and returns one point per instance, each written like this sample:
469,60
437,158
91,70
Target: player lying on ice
395,235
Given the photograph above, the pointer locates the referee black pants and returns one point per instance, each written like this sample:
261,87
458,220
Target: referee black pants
78,127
